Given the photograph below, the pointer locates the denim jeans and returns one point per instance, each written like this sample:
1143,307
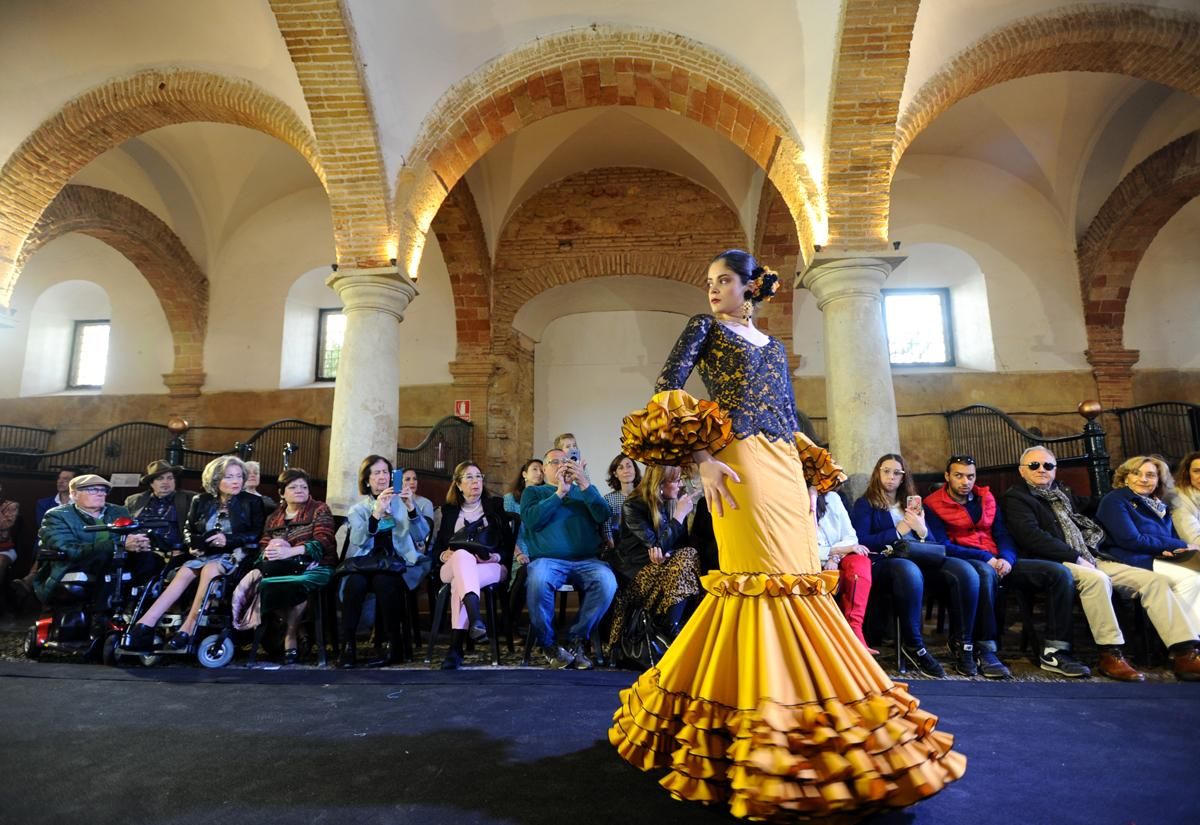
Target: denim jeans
904,581
591,578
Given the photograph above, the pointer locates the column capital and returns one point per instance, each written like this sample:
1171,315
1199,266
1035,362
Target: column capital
378,289
473,372
830,277
184,383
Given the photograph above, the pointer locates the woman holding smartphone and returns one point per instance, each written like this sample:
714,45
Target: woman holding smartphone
378,526
653,572
880,520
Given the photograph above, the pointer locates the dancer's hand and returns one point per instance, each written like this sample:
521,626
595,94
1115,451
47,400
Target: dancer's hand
712,476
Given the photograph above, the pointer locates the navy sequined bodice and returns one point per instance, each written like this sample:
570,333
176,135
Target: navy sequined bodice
749,382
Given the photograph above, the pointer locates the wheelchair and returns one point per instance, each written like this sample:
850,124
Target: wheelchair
212,644
87,613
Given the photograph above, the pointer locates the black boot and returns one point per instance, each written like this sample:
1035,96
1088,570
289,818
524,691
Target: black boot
390,656
454,656
349,656
140,638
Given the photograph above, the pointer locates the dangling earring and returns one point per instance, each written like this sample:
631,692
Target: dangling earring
747,310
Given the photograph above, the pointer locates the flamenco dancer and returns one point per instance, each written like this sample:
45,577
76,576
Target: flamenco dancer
766,701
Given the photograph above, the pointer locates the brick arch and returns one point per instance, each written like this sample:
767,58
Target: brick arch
109,115
1113,246
608,221
151,246
464,248
1152,44
586,68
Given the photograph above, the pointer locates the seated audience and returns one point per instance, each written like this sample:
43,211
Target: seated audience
623,475
376,529
1185,510
223,524
1138,531
656,571
61,497
162,502
1047,522
91,553
838,549
965,518
470,514
890,512
531,475
561,519
9,511
412,501
298,555
253,476
20,591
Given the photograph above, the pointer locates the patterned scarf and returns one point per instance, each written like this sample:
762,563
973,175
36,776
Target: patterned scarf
1083,534
1157,506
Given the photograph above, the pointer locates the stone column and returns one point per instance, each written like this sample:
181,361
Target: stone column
860,399
366,397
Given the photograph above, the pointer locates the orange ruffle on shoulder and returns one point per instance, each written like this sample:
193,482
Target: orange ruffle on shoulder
820,470
766,702
673,425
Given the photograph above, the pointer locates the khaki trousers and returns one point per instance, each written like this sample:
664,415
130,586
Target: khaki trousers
1170,616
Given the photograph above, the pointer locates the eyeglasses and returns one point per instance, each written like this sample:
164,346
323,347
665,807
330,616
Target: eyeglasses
472,477
1037,465
557,461
891,472
95,491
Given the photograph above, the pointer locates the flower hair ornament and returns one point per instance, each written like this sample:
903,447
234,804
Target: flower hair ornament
764,284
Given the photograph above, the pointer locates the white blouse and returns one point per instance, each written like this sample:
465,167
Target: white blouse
834,529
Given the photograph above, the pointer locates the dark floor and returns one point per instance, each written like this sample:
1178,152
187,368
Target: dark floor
179,745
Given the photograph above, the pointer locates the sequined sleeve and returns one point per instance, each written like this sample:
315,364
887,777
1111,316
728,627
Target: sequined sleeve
685,354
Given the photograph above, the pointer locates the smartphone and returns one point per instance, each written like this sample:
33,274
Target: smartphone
913,503
397,480
573,454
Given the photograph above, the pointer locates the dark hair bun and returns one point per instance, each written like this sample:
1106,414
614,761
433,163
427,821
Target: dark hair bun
763,285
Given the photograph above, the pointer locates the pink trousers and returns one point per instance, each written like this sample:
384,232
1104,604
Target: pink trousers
466,573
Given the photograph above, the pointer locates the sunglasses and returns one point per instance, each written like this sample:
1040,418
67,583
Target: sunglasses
1037,465
960,459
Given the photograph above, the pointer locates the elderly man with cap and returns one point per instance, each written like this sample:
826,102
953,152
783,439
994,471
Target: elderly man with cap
62,530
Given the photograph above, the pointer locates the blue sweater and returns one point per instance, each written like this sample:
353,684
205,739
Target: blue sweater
562,528
1133,533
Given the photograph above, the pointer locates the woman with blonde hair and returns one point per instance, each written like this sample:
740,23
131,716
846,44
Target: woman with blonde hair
1139,531
652,570
223,525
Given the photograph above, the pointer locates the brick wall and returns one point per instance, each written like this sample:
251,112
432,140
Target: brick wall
322,46
464,248
151,246
871,66
111,114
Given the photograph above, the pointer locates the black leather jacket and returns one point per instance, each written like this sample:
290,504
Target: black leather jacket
246,519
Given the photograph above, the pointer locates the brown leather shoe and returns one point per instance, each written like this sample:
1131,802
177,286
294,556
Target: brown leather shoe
1187,666
1114,666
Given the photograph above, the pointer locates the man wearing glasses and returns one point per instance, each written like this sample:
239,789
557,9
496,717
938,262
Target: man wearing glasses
62,530
1047,522
966,519
561,519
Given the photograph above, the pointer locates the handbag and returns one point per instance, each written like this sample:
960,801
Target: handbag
917,551
476,537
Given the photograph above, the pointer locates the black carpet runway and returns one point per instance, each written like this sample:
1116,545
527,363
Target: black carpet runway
90,744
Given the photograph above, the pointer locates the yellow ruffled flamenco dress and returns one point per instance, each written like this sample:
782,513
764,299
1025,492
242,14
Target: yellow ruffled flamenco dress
766,701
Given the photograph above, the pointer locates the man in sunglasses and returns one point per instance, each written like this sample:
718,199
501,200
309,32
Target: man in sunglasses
1047,522
966,519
